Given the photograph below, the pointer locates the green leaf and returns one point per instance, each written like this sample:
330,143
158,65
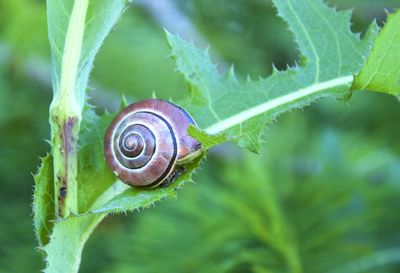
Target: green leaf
43,201
135,199
207,141
100,192
331,55
382,70
94,176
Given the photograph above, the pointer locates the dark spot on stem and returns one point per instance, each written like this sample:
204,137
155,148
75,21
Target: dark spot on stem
68,151
68,138
63,192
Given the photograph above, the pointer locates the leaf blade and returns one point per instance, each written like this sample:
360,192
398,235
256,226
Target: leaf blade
382,70
43,201
222,104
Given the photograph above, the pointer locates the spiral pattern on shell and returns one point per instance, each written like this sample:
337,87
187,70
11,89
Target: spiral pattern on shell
145,141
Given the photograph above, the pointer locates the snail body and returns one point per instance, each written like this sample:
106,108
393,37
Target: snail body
147,144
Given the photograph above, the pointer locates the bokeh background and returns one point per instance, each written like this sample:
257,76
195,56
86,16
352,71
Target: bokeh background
324,195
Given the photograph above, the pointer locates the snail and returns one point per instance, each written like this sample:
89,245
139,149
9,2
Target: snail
147,144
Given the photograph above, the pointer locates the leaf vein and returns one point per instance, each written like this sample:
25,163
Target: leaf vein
307,35
339,53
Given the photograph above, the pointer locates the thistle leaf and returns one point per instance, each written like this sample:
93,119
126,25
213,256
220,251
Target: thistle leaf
43,201
382,70
331,55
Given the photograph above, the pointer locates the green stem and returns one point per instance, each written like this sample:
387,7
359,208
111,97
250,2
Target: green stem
67,242
66,114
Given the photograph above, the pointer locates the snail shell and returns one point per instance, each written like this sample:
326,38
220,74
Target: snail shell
147,142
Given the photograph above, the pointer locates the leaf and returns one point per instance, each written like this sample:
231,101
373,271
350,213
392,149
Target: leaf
382,70
329,60
94,176
207,141
43,201
135,199
100,192
223,104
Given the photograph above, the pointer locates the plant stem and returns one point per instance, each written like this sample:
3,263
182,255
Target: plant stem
67,242
66,114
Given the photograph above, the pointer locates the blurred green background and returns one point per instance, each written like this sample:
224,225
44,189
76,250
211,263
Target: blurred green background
324,196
